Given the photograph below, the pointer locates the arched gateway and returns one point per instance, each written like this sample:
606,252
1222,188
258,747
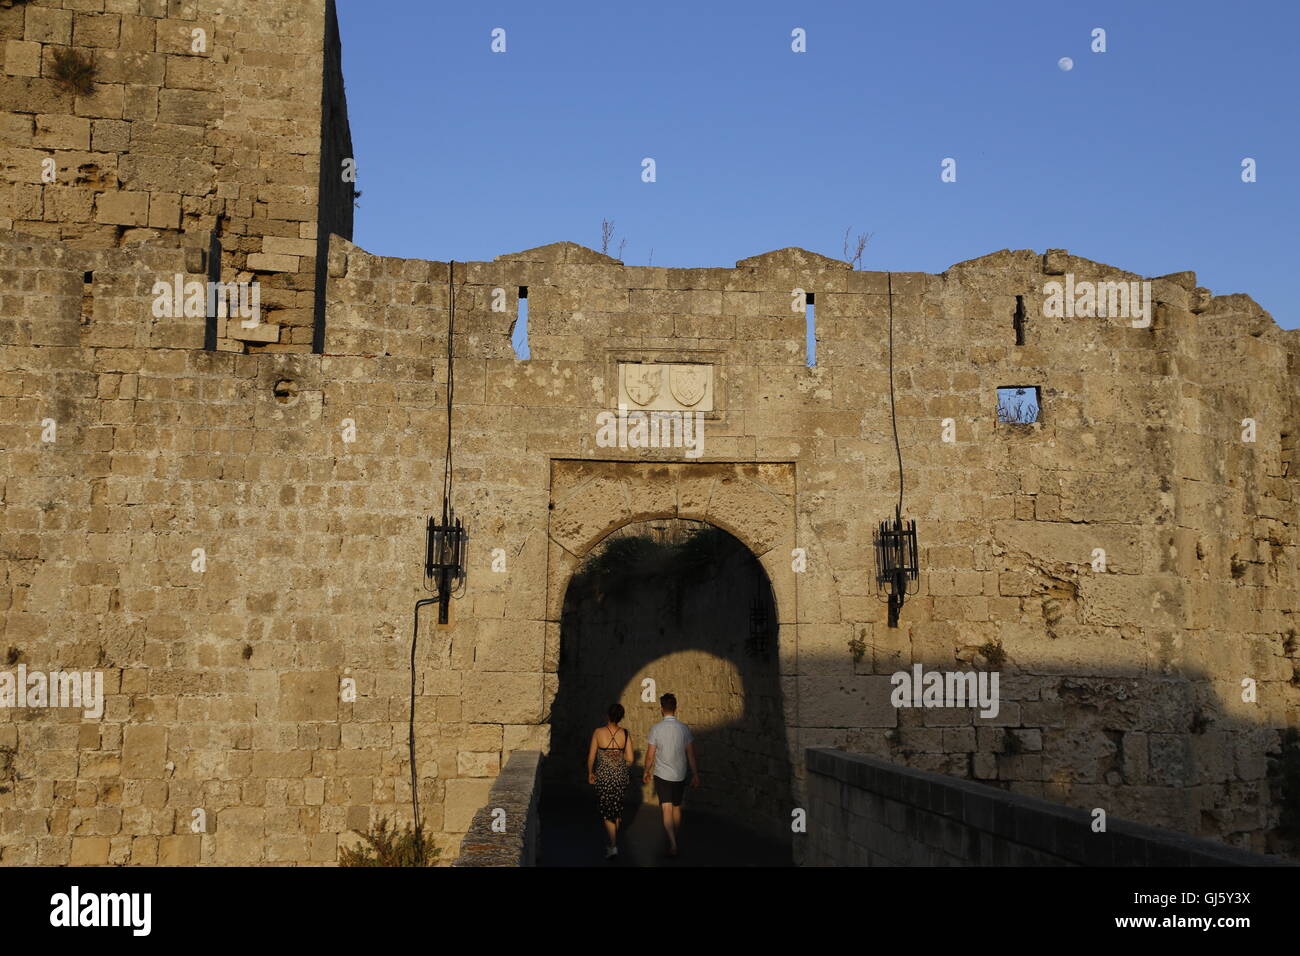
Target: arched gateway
669,601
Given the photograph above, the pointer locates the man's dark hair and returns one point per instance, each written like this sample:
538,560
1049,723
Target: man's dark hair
615,713
669,703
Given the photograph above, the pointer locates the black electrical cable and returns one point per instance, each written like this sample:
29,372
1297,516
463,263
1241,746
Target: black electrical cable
446,498
451,377
893,417
415,784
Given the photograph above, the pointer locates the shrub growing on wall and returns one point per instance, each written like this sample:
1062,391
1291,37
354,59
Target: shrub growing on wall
385,847
74,72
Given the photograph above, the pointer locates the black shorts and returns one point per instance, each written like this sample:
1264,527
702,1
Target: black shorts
670,791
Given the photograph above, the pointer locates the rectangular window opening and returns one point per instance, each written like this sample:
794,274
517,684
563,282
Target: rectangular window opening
519,339
810,326
1018,321
1019,404
87,297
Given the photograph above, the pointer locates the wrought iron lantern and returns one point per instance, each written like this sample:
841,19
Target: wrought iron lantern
897,568
446,550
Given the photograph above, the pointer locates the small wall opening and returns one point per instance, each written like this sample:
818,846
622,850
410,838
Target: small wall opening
810,325
1019,404
1018,320
87,297
519,339
285,391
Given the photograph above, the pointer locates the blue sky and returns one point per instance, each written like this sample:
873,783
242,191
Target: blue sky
1133,157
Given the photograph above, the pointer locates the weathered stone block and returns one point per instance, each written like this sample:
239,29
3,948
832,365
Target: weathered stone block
508,698
463,799
89,851
179,849
45,25
187,107
309,696
164,211
122,208
261,262
275,245
96,29
110,136
471,764
22,58
846,701
144,751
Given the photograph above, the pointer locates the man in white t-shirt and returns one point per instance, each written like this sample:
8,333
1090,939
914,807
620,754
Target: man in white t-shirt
670,748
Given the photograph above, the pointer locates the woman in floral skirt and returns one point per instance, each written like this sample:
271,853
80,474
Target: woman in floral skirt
608,760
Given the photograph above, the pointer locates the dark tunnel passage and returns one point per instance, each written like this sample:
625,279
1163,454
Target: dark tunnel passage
672,605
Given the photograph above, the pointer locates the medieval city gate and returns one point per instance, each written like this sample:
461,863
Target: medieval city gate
228,524
747,737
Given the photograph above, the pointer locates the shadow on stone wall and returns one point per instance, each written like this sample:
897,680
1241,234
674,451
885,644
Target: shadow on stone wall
1174,748
1165,745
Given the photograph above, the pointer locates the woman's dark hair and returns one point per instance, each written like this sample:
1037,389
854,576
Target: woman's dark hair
615,713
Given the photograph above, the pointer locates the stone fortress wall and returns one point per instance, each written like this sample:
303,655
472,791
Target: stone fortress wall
209,123
1121,688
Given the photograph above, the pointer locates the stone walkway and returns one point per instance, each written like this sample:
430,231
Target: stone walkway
572,836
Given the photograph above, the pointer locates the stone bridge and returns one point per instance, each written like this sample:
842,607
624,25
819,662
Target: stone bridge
862,811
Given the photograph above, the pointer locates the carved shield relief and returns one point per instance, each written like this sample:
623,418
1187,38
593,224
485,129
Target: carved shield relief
643,382
663,386
688,383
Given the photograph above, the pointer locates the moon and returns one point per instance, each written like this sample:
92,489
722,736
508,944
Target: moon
1065,63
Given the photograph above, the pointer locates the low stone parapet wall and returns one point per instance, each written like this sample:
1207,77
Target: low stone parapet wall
509,837
863,811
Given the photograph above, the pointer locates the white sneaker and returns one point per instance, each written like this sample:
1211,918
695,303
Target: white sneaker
611,851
